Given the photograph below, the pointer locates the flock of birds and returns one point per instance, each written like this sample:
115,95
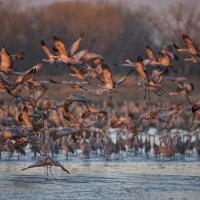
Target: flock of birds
47,127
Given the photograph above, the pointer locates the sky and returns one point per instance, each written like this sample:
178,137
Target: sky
153,3
157,5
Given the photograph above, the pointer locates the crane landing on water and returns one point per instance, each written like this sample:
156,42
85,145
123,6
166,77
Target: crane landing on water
48,162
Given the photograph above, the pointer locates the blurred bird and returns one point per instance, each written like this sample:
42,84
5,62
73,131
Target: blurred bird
191,49
48,162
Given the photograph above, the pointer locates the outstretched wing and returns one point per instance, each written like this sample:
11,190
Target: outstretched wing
164,114
60,48
6,61
28,74
58,164
91,56
107,77
80,54
150,54
38,163
123,79
75,46
189,43
139,66
157,76
5,79
46,49
118,122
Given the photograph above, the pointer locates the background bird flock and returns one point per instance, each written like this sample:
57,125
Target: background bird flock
48,127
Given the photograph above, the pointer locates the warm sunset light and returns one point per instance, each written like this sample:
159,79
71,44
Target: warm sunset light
100,99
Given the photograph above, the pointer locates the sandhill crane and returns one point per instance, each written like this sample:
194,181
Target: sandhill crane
180,147
25,118
109,147
129,141
141,143
120,144
68,57
147,146
184,88
154,83
139,67
155,148
67,114
19,145
108,81
164,115
99,144
48,162
10,148
85,147
165,60
151,59
38,120
34,147
189,144
196,109
190,49
197,145
7,60
27,75
151,55
68,145
136,146
52,59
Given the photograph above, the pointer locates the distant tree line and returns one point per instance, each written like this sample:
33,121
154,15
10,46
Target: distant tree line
113,30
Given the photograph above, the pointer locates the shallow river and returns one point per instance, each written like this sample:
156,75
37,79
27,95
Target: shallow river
102,180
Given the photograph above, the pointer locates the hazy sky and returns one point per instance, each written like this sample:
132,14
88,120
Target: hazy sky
153,3
156,4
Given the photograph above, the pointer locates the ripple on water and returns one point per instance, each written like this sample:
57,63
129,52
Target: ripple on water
102,180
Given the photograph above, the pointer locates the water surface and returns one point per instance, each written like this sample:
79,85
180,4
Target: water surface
102,180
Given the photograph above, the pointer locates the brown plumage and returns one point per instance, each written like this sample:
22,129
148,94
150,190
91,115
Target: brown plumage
69,116
75,46
196,109
6,61
155,148
25,119
139,66
190,49
44,104
183,88
100,113
76,72
85,147
119,122
150,54
89,56
6,81
18,56
28,74
165,60
154,84
108,80
63,54
47,161
60,47
51,58
162,114
107,77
